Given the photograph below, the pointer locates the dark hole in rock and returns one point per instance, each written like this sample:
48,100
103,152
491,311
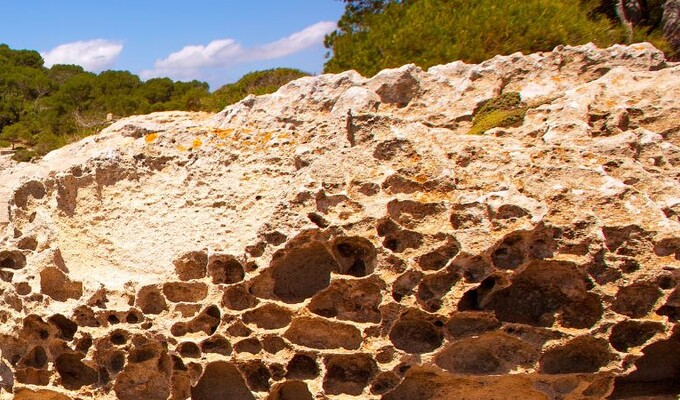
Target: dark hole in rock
672,307
269,316
405,283
302,366
384,382
585,354
35,358
299,273
257,376
636,300
28,243
472,268
217,344
67,328
628,334
415,332
348,374
251,345
113,319
191,265
74,373
12,259
104,376
438,258
356,256
32,376
488,354
239,329
470,323
434,287
350,300
278,371
33,189
409,213
509,254
238,298
466,216
119,337
318,333
657,372
117,361
385,355
83,343
150,300
510,211
318,220
57,285
207,321
221,380
291,390
189,350
541,290
132,317
225,269
188,292
141,354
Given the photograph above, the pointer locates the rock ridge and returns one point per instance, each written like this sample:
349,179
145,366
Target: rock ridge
345,237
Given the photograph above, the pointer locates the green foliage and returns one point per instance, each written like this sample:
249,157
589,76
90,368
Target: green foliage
503,111
257,83
431,32
43,109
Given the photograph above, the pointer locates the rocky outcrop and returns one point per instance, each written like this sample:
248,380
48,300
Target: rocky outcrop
346,237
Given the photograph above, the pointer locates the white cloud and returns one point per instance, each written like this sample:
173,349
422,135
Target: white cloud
188,62
93,55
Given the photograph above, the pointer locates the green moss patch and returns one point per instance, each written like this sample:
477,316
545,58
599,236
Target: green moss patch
505,110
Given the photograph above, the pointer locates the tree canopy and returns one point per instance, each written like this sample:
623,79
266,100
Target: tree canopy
44,108
374,34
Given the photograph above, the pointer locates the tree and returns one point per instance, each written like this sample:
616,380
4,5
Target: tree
375,35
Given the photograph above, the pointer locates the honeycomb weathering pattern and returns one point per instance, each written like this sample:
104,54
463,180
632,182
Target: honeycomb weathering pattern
345,238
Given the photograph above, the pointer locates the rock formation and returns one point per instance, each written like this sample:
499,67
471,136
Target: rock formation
346,237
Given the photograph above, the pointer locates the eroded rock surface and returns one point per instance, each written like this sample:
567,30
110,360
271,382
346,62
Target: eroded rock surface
345,237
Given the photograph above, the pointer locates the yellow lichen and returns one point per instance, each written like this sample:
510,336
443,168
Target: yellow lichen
151,137
196,143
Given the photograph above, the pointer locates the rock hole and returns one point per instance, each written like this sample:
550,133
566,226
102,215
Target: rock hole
150,300
191,265
463,324
269,316
403,286
67,328
216,344
348,374
302,366
207,321
582,355
415,332
189,292
509,254
672,307
636,300
189,350
273,344
119,337
357,301
12,259
58,286
321,334
299,273
221,380
291,390
250,345
225,269
627,334
35,358
656,374
238,298
385,382
117,361
257,376
74,374
356,256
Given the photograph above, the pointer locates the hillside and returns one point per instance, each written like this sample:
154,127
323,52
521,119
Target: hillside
508,229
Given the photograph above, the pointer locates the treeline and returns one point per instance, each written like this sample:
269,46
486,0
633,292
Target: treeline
377,34
45,108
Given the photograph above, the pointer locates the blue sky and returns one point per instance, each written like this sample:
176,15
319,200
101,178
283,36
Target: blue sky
209,40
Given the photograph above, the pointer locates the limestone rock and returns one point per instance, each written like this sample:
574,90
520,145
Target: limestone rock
345,237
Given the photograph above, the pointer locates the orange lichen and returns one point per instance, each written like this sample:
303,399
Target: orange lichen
196,143
151,137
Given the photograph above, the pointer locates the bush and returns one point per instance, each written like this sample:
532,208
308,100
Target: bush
431,32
